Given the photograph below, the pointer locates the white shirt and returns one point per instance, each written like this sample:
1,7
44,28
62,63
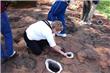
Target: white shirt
40,31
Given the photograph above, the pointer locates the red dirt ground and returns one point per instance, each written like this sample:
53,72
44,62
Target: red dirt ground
90,43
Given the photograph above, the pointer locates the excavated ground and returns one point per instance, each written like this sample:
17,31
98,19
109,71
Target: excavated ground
90,43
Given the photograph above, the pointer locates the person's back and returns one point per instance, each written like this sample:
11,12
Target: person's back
37,30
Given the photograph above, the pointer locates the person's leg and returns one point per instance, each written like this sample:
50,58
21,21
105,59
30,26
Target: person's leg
6,31
51,17
91,13
87,7
33,45
53,11
57,8
35,48
84,10
61,17
43,44
93,7
57,12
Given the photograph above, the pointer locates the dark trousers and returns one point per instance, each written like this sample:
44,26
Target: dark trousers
57,12
86,10
6,31
36,46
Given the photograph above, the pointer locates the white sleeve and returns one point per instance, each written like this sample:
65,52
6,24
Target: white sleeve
50,38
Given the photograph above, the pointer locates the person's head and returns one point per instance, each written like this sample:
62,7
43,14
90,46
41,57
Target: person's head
57,26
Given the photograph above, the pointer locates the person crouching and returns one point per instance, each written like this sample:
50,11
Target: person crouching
40,34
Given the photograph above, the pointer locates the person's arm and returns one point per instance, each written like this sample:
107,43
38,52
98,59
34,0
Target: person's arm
59,50
52,43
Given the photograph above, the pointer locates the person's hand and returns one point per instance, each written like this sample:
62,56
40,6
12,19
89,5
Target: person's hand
62,49
59,49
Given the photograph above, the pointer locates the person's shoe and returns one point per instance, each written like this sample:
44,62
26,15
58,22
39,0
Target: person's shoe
81,23
62,34
14,54
89,23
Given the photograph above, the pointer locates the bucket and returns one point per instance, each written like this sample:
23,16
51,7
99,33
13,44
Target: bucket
53,66
99,22
70,54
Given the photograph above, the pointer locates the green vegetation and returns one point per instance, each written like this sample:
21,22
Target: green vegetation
104,7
